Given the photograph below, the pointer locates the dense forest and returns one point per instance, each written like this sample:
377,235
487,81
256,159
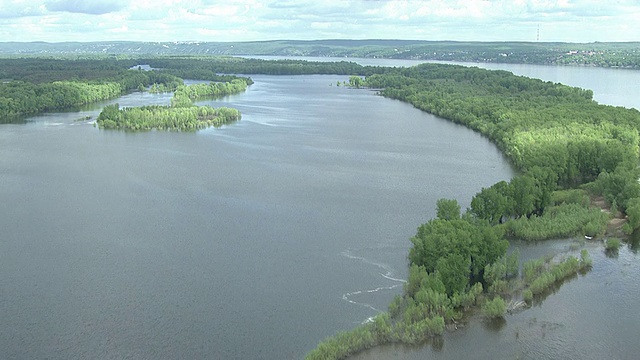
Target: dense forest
32,86
35,85
625,54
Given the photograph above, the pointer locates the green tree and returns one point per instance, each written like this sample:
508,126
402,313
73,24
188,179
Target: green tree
524,194
355,81
492,203
448,209
495,308
633,213
454,270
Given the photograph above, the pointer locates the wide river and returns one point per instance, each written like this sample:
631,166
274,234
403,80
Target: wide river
258,239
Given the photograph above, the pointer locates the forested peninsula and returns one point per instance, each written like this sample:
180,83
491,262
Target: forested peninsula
566,146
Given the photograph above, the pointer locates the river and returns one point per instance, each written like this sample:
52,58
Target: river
251,241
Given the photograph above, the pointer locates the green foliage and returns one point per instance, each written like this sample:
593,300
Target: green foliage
355,81
513,263
181,115
214,89
496,275
612,244
495,308
206,67
559,137
493,203
438,238
495,272
585,259
541,276
467,299
395,306
559,221
58,85
344,344
417,277
532,268
538,124
454,270
165,117
570,196
633,213
447,209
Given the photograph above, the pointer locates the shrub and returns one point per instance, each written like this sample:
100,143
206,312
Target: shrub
494,308
612,244
585,259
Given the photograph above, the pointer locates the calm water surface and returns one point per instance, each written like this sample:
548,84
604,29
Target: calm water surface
251,241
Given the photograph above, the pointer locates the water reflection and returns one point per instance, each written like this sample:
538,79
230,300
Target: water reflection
633,242
494,324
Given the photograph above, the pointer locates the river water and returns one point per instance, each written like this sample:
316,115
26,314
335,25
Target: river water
251,241
258,239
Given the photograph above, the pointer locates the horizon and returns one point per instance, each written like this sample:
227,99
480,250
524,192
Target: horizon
567,21
319,40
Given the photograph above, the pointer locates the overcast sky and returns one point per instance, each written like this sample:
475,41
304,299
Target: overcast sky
246,20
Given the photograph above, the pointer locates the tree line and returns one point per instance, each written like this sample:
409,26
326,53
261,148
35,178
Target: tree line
36,85
543,127
23,98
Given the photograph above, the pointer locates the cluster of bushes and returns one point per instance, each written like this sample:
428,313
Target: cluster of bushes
185,95
165,117
162,88
495,308
565,220
497,274
380,330
539,275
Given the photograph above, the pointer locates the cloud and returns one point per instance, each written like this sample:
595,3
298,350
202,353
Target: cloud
20,8
85,7
240,20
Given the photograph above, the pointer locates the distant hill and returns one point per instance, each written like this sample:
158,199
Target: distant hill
593,54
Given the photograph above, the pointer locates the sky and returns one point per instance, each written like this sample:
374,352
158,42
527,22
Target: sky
254,20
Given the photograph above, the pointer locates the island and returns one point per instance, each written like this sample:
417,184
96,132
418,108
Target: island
181,115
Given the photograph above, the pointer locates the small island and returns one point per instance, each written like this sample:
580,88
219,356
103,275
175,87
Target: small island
181,115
